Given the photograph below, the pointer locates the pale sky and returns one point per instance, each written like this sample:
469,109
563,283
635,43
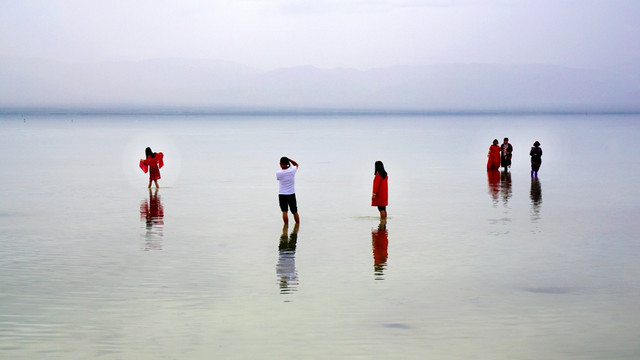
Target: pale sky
359,34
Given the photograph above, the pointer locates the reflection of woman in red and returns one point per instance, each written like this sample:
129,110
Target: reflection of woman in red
152,213
152,210
494,156
152,163
493,176
380,243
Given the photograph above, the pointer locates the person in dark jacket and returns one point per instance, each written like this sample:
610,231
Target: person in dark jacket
505,154
536,158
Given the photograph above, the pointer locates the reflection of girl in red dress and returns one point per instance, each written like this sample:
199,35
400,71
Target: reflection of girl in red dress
152,164
494,156
152,213
152,210
493,177
380,243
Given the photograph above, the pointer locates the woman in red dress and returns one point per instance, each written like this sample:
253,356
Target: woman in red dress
380,196
152,163
494,156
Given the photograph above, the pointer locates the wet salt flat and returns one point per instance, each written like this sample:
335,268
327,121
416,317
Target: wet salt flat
470,263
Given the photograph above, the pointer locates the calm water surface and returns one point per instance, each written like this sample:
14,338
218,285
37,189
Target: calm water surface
469,265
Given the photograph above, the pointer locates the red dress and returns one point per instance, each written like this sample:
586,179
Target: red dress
494,157
153,165
381,189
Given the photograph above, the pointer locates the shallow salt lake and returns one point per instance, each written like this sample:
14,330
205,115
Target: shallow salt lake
469,264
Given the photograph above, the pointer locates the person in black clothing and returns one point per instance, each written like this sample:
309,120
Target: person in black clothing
505,154
536,158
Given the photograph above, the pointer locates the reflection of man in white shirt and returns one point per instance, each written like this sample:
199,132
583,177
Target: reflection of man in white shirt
287,191
286,267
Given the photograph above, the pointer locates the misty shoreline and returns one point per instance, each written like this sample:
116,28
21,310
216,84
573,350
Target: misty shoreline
261,111
183,87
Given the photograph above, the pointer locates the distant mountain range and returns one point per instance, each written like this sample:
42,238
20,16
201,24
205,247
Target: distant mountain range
225,85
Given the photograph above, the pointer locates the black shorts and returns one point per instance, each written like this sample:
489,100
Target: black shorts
288,201
382,208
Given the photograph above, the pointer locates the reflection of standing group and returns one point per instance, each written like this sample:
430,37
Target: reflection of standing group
500,156
499,185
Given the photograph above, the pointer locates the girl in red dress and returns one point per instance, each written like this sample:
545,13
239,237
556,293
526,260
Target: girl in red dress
152,163
494,156
380,196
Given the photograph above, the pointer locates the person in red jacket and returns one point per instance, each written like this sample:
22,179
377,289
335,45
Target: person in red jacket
380,195
152,164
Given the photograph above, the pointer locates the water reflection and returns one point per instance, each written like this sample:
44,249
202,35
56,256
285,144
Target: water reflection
380,243
505,186
152,213
500,191
499,186
493,177
535,194
286,267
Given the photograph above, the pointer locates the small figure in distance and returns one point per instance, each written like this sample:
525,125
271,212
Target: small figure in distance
536,158
505,156
152,163
380,194
493,163
287,192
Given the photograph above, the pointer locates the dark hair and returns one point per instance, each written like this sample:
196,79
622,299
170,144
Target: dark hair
495,141
506,139
380,169
148,152
285,161
536,143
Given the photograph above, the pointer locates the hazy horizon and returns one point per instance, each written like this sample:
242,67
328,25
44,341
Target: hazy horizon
398,54
181,83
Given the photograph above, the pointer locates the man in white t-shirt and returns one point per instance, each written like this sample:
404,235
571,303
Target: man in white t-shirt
287,192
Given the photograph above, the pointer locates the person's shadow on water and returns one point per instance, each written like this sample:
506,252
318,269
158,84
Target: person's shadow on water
286,267
380,244
152,213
